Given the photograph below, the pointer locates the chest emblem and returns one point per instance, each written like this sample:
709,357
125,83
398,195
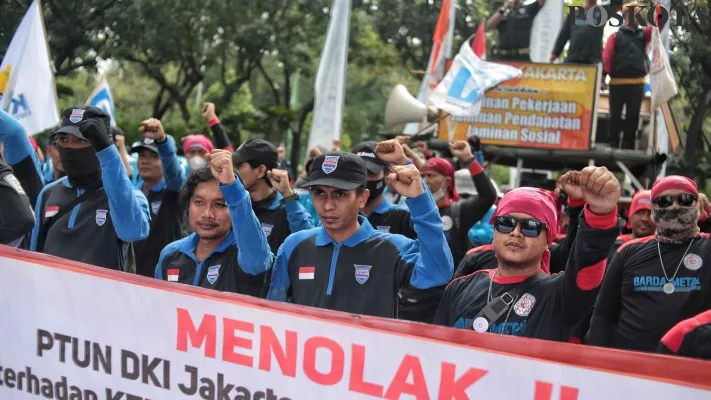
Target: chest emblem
524,305
213,272
693,262
173,274
101,217
447,222
362,273
267,228
155,206
384,229
307,272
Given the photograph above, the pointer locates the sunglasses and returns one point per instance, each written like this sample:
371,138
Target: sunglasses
682,199
529,227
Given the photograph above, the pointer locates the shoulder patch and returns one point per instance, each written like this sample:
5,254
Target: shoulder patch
14,183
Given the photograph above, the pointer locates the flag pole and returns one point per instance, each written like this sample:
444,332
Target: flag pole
49,54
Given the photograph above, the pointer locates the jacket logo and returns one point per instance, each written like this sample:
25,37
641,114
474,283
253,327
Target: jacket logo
384,229
307,272
329,164
173,274
524,305
101,217
155,206
76,116
693,262
212,273
362,273
267,229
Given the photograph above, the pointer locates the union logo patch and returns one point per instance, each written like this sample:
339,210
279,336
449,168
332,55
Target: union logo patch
362,273
101,217
329,164
213,272
76,116
524,305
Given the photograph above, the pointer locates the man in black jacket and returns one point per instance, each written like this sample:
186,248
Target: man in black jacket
585,38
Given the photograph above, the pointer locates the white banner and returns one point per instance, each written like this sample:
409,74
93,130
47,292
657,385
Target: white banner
468,79
26,79
330,87
108,335
544,32
661,77
101,98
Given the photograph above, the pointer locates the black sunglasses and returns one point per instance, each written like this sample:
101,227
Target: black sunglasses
683,199
529,227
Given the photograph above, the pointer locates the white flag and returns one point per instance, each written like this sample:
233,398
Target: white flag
442,43
661,77
468,79
545,29
330,84
26,78
101,98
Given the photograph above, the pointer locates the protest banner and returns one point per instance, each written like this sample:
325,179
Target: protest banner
551,106
71,331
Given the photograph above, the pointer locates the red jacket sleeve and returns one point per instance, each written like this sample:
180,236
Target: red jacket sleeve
608,54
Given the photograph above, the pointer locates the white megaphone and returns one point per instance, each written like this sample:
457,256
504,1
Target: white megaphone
402,108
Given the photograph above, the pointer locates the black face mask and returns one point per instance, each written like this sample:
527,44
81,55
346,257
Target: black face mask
81,166
376,188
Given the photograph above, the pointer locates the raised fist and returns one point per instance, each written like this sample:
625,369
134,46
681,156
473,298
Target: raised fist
220,162
406,180
596,185
208,111
279,179
461,150
391,152
153,129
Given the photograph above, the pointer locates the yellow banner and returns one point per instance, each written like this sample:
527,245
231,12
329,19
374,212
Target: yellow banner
551,106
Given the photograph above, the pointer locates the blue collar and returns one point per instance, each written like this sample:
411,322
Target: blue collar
384,206
363,233
277,202
156,188
190,244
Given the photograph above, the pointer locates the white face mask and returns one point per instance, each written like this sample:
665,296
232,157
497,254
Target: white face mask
196,163
438,194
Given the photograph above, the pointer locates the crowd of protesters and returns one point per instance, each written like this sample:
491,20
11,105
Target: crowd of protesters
384,230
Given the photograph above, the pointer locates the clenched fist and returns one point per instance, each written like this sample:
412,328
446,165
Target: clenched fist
406,180
220,162
596,185
153,129
208,111
391,152
279,179
461,150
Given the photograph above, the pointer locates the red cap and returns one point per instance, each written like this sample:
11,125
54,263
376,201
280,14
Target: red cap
674,182
642,200
200,141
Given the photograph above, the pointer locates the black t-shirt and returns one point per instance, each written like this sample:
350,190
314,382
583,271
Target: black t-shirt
515,28
389,218
165,228
689,338
547,309
633,312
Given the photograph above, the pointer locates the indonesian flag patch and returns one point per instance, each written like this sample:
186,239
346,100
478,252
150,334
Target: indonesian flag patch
173,274
307,272
51,211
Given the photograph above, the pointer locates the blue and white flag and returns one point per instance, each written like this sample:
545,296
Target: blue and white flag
461,90
101,98
27,89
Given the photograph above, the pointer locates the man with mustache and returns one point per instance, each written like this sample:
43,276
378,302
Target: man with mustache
654,282
225,230
517,298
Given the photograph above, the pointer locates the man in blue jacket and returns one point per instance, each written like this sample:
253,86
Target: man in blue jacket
228,250
347,265
93,213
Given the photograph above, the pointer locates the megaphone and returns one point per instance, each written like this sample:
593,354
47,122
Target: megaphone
402,108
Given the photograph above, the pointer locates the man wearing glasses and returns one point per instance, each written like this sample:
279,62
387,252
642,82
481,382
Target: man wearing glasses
518,298
656,281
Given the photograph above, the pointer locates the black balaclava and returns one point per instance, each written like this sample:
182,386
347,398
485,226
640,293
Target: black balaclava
81,166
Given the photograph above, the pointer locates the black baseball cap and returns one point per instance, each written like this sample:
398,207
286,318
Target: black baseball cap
258,151
366,151
338,169
149,144
73,116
